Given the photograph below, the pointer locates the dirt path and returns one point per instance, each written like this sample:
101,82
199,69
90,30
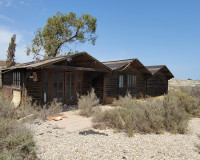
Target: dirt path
74,122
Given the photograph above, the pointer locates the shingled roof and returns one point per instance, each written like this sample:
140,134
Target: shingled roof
155,69
122,64
118,64
49,61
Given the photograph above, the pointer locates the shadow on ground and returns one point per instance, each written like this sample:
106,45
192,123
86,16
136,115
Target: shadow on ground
91,132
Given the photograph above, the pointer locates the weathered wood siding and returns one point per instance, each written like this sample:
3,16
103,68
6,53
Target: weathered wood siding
157,85
112,90
34,88
7,88
93,80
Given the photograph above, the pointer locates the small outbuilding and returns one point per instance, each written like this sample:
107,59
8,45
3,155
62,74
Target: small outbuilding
128,75
157,84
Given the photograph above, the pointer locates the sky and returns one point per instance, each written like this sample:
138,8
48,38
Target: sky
157,32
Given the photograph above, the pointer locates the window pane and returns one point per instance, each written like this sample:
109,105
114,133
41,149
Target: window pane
68,91
68,77
121,81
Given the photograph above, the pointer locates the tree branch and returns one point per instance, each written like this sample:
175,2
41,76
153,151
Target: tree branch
67,40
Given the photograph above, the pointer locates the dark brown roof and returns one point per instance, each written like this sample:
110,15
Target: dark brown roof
122,64
117,64
155,69
49,61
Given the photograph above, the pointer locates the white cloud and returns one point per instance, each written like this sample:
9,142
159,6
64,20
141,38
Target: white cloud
20,54
6,18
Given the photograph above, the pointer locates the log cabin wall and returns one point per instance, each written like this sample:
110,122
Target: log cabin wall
112,90
157,85
33,87
93,80
7,88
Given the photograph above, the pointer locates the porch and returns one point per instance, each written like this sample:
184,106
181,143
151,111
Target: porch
65,84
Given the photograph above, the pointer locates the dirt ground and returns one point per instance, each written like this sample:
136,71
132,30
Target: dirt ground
74,122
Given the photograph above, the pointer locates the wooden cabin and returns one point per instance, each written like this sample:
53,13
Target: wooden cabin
128,75
60,77
158,84
65,77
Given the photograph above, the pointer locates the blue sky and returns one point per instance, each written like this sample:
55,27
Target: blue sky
154,31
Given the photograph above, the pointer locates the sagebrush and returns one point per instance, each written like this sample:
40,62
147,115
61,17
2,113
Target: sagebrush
150,116
86,103
16,141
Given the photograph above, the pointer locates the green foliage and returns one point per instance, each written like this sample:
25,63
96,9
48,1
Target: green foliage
11,52
62,29
86,103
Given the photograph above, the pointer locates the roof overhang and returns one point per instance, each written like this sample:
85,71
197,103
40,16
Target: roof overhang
50,61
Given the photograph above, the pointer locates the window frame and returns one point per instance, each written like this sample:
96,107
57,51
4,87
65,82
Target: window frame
131,80
16,80
121,81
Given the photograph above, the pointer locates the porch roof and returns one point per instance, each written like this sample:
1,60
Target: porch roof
50,61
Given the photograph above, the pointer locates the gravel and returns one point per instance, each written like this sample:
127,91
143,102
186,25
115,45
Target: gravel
56,143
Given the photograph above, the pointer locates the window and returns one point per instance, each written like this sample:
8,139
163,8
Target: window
58,85
70,89
121,81
46,86
16,80
79,83
131,81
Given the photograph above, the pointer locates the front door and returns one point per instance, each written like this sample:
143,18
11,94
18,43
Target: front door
58,91
70,87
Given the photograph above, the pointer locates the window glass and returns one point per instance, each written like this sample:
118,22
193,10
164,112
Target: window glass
16,80
121,81
131,80
58,85
46,87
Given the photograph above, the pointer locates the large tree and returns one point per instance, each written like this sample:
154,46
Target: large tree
60,30
10,61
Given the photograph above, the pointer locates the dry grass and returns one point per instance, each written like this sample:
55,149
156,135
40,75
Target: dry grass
151,116
40,112
86,103
16,142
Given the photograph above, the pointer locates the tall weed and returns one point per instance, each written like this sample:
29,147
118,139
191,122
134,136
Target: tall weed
86,103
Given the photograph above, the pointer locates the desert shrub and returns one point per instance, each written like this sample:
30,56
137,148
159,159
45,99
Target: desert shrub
16,141
86,103
142,117
39,112
150,116
49,110
175,115
126,101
